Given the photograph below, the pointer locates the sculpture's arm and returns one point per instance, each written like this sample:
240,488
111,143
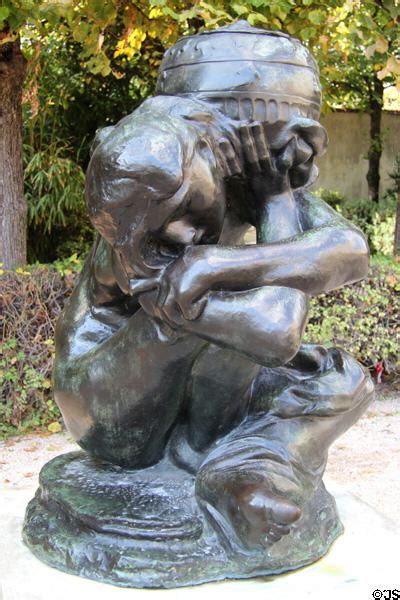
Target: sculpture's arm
103,326
330,252
318,260
265,324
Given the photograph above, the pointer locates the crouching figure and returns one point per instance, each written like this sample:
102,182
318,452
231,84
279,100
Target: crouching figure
181,343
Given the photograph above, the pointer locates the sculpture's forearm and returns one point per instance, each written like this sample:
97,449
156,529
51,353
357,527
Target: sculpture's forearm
316,261
265,324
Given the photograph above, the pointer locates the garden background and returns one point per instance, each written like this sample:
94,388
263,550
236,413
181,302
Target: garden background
69,67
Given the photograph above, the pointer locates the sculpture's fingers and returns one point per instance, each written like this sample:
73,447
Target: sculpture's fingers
163,293
263,153
139,286
303,151
171,311
279,529
222,162
275,532
167,332
163,290
229,157
249,148
286,159
193,311
272,537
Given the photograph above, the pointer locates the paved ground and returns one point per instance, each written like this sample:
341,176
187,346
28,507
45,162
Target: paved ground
363,472
365,461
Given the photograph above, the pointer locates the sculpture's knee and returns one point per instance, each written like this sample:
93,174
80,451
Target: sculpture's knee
288,344
353,381
291,326
76,413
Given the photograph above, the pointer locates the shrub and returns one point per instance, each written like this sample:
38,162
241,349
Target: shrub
31,301
58,224
376,220
361,318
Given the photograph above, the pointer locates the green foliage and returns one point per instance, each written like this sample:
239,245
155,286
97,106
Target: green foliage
58,223
64,101
375,220
395,175
381,234
30,387
54,186
32,300
362,319
360,45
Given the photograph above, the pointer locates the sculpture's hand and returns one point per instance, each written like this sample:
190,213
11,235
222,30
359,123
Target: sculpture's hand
287,163
266,172
183,285
181,288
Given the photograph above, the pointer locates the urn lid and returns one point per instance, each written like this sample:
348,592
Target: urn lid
242,65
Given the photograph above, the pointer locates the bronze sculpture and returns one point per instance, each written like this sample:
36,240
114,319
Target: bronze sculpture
180,367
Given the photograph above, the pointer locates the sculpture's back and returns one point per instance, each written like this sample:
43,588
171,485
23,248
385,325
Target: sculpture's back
180,366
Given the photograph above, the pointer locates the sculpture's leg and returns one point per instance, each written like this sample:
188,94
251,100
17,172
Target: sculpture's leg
217,400
257,478
120,391
220,390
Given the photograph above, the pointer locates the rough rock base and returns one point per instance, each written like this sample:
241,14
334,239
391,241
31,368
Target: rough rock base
144,528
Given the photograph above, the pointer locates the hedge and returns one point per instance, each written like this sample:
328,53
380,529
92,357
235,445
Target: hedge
363,318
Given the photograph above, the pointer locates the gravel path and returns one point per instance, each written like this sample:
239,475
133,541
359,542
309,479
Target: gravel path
365,461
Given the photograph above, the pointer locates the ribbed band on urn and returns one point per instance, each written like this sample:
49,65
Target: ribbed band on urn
248,73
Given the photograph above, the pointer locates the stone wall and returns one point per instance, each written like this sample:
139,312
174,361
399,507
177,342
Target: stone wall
343,168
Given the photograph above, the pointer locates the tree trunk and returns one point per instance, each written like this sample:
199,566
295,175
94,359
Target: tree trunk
375,144
12,202
396,245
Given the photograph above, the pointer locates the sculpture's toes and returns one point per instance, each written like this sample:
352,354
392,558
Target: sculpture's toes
268,516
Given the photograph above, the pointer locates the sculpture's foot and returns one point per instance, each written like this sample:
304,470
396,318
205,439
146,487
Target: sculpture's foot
261,517
145,528
257,504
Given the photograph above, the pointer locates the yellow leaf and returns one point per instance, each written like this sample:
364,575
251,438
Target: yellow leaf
391,279
324,40
383,73
155,12
381,45
393,65
54,427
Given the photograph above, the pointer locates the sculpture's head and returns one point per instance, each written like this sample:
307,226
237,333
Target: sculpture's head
249,75
152,188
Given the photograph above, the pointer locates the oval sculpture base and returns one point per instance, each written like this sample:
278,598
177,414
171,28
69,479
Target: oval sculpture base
144,528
